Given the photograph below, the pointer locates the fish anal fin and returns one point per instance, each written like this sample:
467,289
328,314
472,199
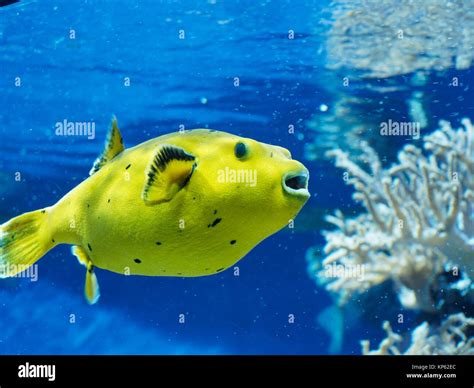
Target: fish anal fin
91,287
168,172
113,147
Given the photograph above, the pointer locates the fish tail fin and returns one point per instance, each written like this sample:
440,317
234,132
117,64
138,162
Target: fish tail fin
23,241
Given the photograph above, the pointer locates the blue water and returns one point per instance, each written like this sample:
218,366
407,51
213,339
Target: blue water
173,82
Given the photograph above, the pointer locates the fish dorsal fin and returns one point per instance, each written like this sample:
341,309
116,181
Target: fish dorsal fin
168,172
113,147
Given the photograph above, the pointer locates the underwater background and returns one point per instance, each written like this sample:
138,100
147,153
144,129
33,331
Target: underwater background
259,69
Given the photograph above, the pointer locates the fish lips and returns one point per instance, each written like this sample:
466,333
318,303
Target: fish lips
295,183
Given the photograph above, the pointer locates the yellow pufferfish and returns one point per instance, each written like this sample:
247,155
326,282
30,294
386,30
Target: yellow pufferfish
185,204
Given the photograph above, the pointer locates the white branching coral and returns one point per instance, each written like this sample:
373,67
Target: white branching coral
450,338
419,220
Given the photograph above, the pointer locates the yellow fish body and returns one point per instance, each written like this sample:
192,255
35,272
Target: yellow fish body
188,204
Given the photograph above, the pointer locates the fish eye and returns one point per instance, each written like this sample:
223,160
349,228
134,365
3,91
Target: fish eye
241,150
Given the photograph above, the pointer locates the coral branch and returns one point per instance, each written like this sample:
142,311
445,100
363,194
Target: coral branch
419,220
449,339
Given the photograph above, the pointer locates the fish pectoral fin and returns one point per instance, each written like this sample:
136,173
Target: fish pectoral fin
113,147
168,172
91,287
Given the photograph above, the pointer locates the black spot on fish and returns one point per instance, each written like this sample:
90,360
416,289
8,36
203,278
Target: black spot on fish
215,211
91,269
126,168
138,261
108,201
232,242
90,248
43,211
179,273
194,198
219,270
53,241
206,269
214,223
88,205
271,154
158,243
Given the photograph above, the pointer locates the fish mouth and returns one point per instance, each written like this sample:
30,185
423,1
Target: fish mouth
296,183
